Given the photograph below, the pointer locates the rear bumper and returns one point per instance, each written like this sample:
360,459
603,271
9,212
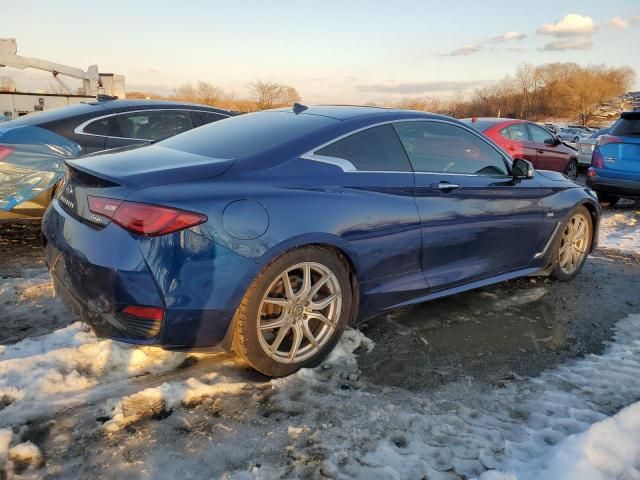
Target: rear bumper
584,159
614,186
97,272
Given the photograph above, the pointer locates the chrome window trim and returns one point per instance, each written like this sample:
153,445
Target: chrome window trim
79,130
347,166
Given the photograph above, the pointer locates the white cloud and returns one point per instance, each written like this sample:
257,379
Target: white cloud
570,25
617,23
465,51
581,43
506,37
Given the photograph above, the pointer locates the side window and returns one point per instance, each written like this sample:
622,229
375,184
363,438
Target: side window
517,132
99,127
373,149
208,117
539,134
446,148
154,125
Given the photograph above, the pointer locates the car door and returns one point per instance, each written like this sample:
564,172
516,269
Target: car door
548,155
476,221
143,126
378,181
518,143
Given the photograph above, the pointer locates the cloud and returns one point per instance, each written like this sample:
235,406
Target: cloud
636,20
418,87
506,37
465,51
568,44
570,25
617,23
517,49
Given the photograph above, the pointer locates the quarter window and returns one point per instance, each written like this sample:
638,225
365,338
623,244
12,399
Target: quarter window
539,134
99,127
154,125
516,132
374,149
447,148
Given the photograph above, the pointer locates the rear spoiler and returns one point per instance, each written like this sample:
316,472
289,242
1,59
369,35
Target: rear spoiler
635,115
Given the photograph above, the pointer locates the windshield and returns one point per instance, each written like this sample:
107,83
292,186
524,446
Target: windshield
246,135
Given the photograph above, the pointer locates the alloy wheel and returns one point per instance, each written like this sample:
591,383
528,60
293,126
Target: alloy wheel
572,170
299,312
574,244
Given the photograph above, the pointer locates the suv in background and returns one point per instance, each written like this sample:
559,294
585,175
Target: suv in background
587,145
530,141
615,164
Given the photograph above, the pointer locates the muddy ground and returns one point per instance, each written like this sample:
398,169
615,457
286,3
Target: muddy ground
493,335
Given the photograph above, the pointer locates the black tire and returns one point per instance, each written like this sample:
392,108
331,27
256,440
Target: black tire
557,271
607,200
571,169
246,341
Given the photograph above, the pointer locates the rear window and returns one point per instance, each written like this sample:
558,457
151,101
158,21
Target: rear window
627,126
246,135
481,125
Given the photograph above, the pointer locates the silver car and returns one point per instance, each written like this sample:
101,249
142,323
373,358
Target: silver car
587,145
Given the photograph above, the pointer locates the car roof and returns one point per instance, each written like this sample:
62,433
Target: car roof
347,112
99,107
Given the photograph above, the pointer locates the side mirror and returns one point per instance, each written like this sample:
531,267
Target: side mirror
557,140
522,169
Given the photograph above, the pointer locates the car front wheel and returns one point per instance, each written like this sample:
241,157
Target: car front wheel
572,169
294,312
574,245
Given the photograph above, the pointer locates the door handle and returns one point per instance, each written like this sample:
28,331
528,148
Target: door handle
445,187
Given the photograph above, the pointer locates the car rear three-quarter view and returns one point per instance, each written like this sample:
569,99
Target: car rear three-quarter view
269,233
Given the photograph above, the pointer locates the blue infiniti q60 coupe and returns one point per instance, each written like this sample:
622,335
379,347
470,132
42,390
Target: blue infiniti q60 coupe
268,233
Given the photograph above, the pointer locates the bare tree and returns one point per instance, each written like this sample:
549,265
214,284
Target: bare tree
272,94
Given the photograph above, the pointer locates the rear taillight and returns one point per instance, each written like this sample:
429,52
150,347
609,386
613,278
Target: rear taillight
145,219
606,139
147,313
596,159
5,151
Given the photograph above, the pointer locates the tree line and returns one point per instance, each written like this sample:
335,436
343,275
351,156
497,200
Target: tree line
550,91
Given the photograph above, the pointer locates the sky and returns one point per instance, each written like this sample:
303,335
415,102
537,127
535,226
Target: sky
349,51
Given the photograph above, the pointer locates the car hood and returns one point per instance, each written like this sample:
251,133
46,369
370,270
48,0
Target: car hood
553,176
150,165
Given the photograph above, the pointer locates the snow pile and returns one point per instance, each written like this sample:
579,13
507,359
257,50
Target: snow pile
608,449
70,360
620,231
17,458
167,397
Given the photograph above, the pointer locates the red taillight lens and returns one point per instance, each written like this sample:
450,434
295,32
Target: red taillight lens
5,151
104,206
591,172
147,313
606,139
596,159
145,219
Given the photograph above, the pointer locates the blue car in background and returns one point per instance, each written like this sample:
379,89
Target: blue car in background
615,164
81,129
269,233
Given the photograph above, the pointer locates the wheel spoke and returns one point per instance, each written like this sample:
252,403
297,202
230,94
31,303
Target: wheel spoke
288,289
324,303
278,340
297,340
322,318
278,322
282,302
318,285
307,333
306,281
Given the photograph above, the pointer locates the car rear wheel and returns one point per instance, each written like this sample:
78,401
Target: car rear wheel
294,312
572,169
574,245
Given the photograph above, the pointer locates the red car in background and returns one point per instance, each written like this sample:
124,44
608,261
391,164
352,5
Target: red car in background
528,140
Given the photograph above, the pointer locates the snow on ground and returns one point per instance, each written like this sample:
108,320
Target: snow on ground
620,230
